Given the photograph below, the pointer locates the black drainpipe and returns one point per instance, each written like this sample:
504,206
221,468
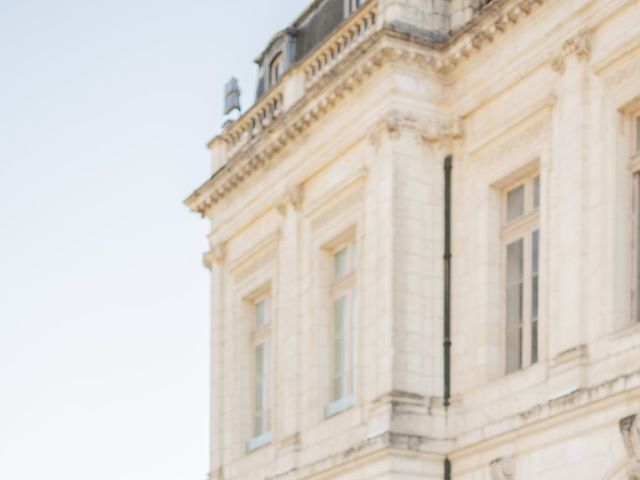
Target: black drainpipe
447,469
448,161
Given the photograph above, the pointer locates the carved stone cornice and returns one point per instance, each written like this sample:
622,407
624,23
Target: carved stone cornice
580,45
630,430
293,195
266,141
503,469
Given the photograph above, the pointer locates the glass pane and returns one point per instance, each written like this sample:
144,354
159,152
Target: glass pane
535,260
258,424
515,203
260,388
261,313
534,342
515,267
637,214
341,263
536,192
339,346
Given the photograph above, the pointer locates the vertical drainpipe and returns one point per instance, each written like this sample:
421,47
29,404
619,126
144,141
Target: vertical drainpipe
447,280
448,165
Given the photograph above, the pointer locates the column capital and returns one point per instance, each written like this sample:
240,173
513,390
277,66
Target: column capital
630,430
293,195
216,255
581,45
503,468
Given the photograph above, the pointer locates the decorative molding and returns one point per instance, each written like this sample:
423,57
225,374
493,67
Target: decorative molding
391,124
580,45
266,129
630,430
293,195
217,255
503,469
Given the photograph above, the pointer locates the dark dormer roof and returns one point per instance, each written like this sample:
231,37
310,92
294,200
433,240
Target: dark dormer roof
308,31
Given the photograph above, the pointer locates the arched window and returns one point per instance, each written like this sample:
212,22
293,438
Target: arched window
276,69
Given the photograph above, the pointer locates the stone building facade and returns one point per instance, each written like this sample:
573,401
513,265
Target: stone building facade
425,243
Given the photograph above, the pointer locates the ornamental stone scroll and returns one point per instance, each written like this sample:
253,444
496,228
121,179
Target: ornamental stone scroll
630,430
503,469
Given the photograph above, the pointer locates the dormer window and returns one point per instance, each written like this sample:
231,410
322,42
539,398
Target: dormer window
277,66
353,5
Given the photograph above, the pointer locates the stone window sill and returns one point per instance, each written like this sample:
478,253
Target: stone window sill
339,405
258,442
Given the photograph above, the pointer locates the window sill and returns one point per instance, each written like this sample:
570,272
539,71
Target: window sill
339,406
258,442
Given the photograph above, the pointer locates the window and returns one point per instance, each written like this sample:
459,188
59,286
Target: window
353,5
276,69
636,242
261,408
635,167
521,240
342,344
637,134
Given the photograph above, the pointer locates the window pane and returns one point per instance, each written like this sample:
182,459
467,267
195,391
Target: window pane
261,389
341,263
339,347
261,313
515,203
536,192
515,267
637,214
535,260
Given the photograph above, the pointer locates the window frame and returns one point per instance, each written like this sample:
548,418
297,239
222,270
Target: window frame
343,286
522,228
261,335
276,69
634,165
352,6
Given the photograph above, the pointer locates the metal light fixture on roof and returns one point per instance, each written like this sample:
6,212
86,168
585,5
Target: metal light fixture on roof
231,96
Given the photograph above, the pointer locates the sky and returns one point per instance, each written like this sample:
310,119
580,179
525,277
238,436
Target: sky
105,111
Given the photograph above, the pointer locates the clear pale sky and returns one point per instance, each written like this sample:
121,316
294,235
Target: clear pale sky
105,110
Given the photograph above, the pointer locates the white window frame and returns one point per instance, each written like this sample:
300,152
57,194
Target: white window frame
523,228
276,69
261,336
343,287
353,5
635,211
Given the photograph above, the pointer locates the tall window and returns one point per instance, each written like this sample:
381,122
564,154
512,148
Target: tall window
635,165
343,296
521,239
261,407
276,69
636,241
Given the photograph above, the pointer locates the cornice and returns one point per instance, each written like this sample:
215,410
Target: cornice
272,130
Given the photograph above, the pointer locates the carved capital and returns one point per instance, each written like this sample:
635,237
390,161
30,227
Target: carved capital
503,469
630,430
216,255
392,124
293,195
580,45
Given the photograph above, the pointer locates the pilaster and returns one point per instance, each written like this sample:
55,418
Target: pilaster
289,366
568,204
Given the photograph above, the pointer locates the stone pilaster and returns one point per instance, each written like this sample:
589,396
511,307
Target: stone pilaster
289,362
567,282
